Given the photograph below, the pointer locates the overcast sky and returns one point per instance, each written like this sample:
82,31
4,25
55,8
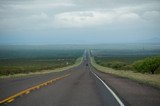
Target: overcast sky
79,21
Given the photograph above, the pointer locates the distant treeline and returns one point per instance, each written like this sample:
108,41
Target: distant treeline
22,53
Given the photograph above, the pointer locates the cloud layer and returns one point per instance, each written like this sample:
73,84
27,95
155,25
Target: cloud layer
95,18
44,14
39,15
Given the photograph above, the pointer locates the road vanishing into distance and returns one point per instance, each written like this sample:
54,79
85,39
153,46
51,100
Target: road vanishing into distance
79,86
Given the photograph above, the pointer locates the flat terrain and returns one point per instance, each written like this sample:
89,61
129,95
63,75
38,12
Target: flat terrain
80,88
23,61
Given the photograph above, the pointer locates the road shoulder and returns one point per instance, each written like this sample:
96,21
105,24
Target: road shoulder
131,92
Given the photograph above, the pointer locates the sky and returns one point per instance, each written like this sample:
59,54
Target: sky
37,22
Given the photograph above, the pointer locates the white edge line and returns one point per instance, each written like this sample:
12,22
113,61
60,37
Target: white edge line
115,96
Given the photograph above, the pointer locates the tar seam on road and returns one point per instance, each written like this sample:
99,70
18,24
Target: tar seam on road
111,91
27,91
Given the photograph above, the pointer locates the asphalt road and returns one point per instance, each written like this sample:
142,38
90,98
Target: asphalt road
80,88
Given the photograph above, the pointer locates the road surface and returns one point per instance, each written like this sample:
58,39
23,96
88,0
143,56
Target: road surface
79,86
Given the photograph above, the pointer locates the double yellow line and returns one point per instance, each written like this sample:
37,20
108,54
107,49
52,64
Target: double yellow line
26,91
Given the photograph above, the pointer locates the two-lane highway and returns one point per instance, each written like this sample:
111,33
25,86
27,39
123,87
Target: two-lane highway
79,86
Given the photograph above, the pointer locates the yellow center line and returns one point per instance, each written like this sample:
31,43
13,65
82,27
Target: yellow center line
10,100
26,91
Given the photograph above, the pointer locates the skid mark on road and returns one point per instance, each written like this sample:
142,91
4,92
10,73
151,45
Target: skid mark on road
27,91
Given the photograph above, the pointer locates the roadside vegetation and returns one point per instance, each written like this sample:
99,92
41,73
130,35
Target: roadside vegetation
142,67
149,65
30,61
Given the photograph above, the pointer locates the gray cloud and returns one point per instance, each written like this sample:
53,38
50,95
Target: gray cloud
120,15
34,11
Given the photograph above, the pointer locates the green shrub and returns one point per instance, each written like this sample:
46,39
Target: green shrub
157,70
116,65
147,65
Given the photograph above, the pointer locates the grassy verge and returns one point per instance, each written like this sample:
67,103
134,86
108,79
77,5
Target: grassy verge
149,79
78,62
